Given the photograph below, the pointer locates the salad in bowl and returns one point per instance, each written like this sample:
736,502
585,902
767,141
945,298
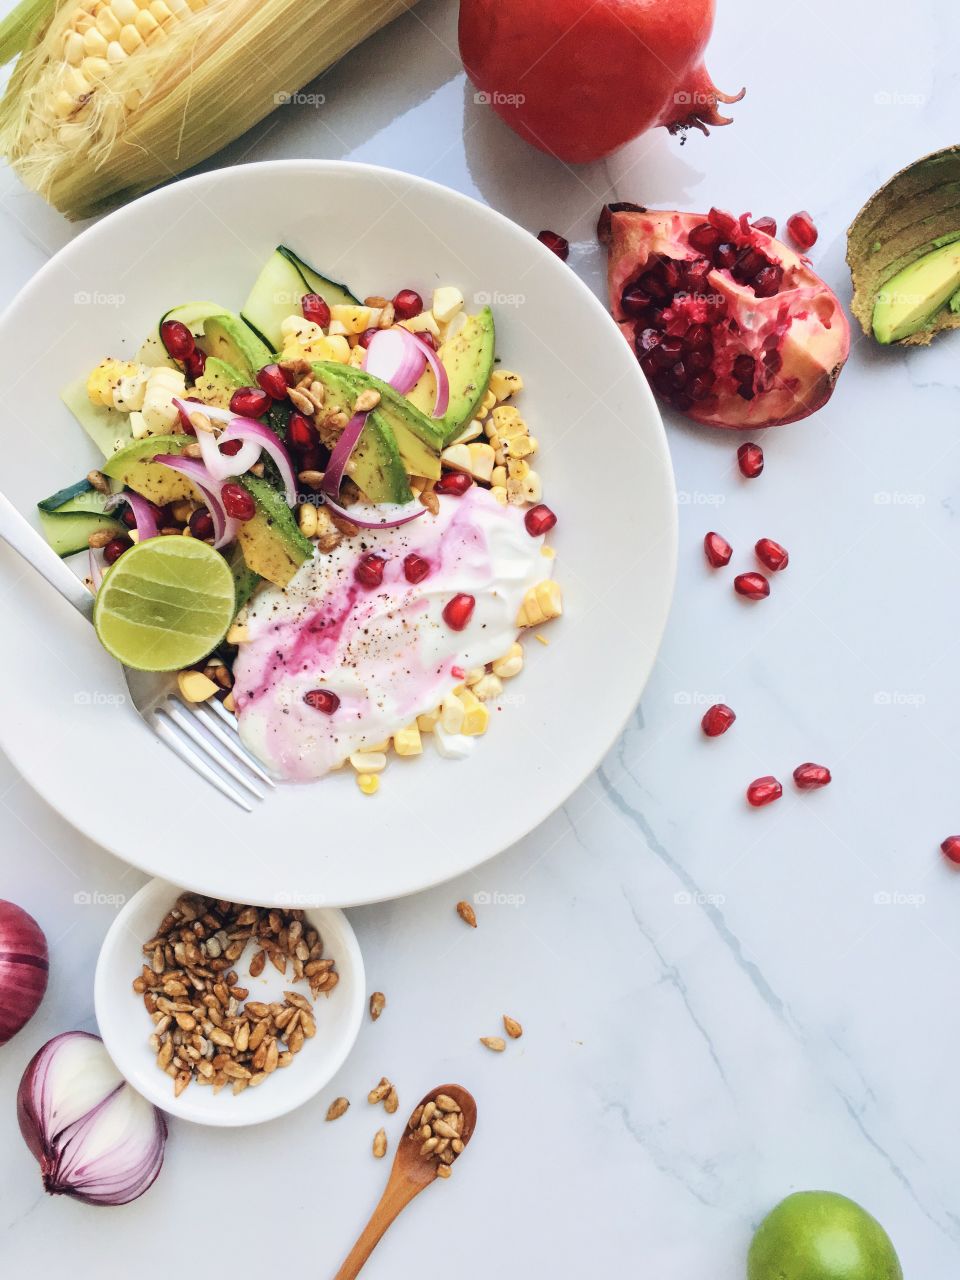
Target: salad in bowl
323,511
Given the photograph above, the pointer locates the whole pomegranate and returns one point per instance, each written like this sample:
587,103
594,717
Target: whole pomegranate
730,326
579,80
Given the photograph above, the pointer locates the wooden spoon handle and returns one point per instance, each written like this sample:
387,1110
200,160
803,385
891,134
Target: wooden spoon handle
396,1197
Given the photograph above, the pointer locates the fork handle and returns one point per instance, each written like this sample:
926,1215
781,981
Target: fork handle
19,534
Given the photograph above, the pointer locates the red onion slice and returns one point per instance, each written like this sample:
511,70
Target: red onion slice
403,514
96,573
224,526
146,521
220,465
341,453
394,356
259,436
442,401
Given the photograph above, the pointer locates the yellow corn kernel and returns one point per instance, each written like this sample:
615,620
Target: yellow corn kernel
452,714
407,742
95,43
107,23
472,431
146,23
532,488
106,377
511,664
475,459
540,604
358,356
129,38
428,721
473,675
115,53
476,717
498,477
489,687
195,686
423,323
160,11
520,447
74,49
368,783
518,468
369,761
508,422
548,553
505,384
379,746
354,319
499,494
307,519
447,301
125,10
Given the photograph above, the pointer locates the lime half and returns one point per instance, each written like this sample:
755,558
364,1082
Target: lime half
164,604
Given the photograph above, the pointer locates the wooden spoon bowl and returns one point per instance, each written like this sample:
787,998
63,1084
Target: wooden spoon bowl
411,1172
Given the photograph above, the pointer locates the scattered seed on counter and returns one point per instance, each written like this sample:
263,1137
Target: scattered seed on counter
467,914
512,1027
496,1044
337,1108
380,1144
378,1002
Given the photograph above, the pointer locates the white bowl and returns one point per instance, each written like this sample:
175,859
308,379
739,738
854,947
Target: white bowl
605,468
125,1024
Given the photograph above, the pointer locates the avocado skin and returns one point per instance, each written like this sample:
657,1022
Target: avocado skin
820,1235
227,338
273,546
468,359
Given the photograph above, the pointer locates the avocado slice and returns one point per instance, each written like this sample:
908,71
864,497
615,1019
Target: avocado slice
468,359
418,438
218,382
277,291
910,300
245,581
227,338
135,467
272,545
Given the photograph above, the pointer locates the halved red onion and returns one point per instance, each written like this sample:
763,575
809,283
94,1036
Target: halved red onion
146,521
259,436
341,453
23,968
94,1136
224,526
439,372
394,515
395,356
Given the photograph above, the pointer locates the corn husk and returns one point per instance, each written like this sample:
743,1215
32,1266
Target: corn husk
207,77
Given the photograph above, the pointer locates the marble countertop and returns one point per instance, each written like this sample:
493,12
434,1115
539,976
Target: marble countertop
721,1005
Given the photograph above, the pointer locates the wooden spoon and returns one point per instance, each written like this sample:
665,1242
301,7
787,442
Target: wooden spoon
411,1172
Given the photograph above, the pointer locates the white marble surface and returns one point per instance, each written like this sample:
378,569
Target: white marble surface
719,1008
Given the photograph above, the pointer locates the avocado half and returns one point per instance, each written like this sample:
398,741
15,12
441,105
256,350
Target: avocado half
903,249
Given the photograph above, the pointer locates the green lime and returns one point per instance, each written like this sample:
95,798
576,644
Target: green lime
164,604
819,1235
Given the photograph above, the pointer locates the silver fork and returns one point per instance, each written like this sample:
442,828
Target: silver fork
203,734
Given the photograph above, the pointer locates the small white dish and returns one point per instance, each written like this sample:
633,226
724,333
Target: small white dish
125,1024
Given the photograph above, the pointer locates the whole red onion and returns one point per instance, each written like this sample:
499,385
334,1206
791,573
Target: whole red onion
23,968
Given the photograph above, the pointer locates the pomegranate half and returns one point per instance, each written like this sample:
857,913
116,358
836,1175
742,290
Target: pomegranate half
730,326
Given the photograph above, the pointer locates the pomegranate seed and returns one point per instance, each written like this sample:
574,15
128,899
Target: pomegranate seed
749,262
763,791
556,244
772,554
801,230
726,254
314,308
453,483
311,459
743,368
750,460
407,304
951,848
767,282
177,339
237,502
724,221
201,524
705,238
717,719
300,432
458,611
717,550
810,776
115,548
184,420
767,225
634,301
367,337
273,382
539,519
369,571
415,568
231,447
249,402
752,585
194,364
324,700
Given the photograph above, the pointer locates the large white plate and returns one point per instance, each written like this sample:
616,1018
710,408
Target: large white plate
606,471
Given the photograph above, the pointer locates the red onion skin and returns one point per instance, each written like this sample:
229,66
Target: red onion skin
31,1129
24,966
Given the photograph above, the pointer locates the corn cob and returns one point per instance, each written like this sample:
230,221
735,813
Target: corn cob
111,97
